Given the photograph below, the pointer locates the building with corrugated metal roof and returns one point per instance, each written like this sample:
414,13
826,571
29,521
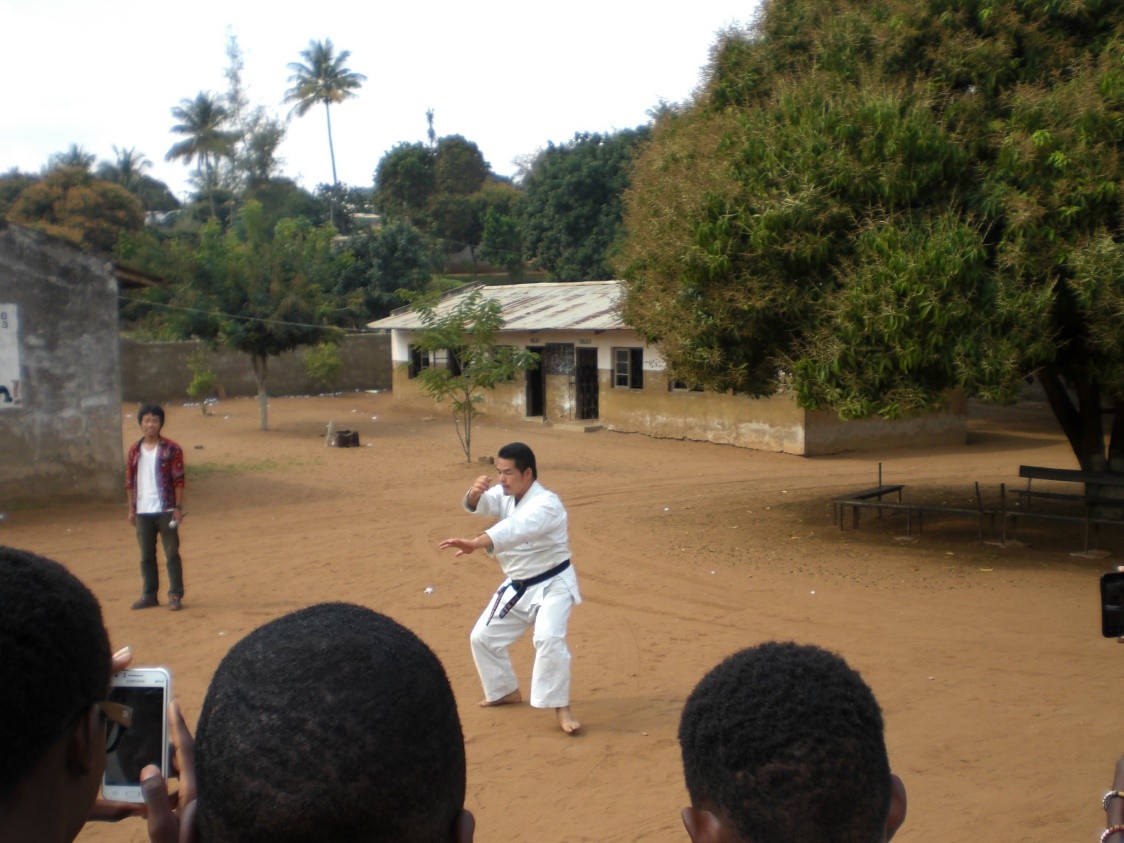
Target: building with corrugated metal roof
595,370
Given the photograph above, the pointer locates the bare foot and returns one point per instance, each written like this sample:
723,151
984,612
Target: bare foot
506,699
567,721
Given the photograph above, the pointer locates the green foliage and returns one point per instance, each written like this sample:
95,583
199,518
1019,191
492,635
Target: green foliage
72,204
322,78
500,240
445,190
12,184
204,123
466,334
405,181
203,380
254,290
876,202
572,208
75,158
459,167
374,266
324,363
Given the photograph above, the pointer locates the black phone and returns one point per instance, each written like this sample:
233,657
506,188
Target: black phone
1112,604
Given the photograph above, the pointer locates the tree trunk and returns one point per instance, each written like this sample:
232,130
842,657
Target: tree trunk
331,148
1081,423
260,362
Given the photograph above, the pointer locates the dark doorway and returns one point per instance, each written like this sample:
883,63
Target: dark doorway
535,384
587,386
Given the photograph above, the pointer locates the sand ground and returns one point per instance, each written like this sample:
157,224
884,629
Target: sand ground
1002,701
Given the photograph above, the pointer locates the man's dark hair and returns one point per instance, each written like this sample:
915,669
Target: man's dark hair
521,455
330,723
151,410
785,742
54,659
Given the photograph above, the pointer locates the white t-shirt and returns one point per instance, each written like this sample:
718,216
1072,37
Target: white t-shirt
148,491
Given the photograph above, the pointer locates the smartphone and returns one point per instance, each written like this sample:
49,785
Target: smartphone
1112,604
147,691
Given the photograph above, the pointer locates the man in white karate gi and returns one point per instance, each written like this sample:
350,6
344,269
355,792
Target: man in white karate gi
531,542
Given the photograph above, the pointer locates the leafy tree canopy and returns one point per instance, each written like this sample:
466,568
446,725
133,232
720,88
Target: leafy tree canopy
256,290
572,209
444,189
878,201
376,266
72,204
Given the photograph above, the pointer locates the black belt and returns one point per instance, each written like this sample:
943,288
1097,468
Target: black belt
520,588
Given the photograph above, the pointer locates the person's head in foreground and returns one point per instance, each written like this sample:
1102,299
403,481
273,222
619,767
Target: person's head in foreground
54,674
331,723
782,743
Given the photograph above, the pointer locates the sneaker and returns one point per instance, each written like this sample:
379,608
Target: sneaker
174,603
146,601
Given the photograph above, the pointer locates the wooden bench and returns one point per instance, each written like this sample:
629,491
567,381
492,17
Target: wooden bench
918,511
866,498
1089,500
979,512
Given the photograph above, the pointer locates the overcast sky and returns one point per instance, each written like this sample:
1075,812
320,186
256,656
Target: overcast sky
509,76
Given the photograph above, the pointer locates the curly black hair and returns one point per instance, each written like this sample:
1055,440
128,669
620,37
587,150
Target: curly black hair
54,659
331,723
785,743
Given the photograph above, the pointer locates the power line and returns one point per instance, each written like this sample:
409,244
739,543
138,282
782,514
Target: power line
240,316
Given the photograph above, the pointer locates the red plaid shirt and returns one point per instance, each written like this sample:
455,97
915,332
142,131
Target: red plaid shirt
169,471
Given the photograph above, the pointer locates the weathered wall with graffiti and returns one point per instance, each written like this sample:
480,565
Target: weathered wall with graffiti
60,427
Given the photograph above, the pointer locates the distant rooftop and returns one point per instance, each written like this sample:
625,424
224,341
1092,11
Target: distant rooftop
544,306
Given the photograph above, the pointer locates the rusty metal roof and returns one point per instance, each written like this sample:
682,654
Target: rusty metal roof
547,306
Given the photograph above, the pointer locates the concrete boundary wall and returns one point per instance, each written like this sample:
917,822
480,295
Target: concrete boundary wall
60,410
158,371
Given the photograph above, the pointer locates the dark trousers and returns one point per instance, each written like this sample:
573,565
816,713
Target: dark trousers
148,528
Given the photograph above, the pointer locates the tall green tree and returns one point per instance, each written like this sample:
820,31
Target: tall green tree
500,242
573,204
207,138
405,181
322,78
443,189
256,290
376,266
875,202
466,334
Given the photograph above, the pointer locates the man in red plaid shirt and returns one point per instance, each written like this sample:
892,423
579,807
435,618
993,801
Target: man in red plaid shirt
154,488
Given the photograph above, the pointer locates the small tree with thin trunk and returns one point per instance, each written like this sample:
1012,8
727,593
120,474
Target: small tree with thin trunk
473,360
257,291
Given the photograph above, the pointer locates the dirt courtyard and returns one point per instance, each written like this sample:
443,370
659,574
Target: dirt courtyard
1002,701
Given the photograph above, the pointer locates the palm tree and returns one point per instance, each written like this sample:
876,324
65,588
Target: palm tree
76,157
127,170
201,121
323,78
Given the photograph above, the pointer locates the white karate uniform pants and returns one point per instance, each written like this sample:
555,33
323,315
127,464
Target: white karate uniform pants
547,609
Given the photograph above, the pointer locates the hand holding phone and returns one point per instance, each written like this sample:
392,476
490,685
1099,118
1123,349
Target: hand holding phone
147,691
171,816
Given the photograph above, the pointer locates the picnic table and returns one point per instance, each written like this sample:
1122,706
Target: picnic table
1098,505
